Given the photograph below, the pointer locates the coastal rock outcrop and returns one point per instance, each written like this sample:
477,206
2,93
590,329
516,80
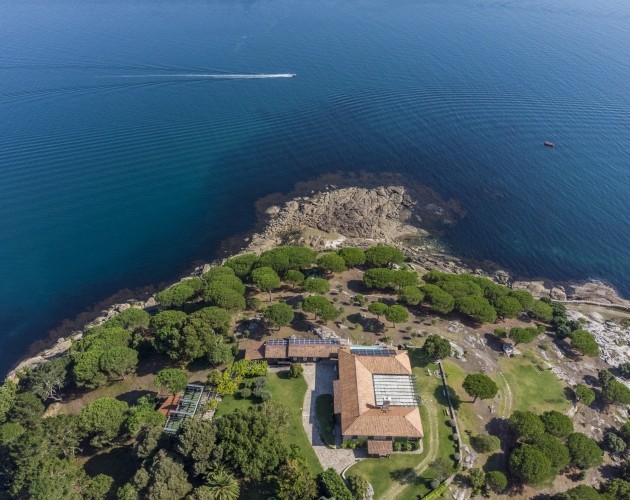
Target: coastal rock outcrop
330,218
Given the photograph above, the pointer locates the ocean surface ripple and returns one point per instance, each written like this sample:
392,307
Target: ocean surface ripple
135,137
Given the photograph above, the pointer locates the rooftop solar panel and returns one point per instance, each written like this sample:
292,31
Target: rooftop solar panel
277,342
373,352
301,341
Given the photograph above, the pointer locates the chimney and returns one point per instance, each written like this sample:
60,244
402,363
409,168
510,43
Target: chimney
386,403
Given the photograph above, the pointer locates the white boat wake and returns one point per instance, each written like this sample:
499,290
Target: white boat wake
214,76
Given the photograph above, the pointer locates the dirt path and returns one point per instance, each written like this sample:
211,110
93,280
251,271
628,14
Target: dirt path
432,446
507,402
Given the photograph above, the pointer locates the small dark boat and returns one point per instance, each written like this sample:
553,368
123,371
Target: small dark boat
550,144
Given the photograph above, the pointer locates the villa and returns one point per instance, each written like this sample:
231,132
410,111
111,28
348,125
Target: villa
375,396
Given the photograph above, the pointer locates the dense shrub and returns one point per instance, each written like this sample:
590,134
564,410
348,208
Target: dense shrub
332,486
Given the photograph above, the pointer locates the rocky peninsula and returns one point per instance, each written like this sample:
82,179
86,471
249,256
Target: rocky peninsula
364,216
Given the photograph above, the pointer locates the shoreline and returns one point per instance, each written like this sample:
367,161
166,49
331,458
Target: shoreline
318,213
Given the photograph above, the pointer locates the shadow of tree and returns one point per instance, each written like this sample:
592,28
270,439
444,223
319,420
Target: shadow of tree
132,396
440,396
405,475
117,463
369,325
493,342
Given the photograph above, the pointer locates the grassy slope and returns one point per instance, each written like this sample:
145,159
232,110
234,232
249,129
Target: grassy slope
534,389
291,392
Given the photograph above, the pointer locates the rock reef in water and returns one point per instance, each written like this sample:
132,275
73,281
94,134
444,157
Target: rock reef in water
328,219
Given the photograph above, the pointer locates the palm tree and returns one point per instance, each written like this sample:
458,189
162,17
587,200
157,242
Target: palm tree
222,485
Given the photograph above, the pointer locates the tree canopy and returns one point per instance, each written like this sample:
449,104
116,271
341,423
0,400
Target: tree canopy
496,481
410,295
164,479
332,486
478,385
242,264
396,314
530,465
507,307
485,443
436,348
103,419
353,257
332,263
266,279
377,308
585,452
379,278
173,380
278,315
523,335
614,392
321,307
217,318
287,257
383,255
439,301
584,394
251,446
542,311
176,295
316,285
581,492
294,480
554,449
477,308
557,424
526,425
294,277
584,342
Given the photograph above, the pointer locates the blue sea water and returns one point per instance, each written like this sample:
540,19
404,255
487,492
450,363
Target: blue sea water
117,170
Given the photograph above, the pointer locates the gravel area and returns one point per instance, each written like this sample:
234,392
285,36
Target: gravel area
319,378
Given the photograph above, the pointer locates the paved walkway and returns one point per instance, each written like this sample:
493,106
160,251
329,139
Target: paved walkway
319,378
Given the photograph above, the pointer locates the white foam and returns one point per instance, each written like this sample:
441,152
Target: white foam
216,76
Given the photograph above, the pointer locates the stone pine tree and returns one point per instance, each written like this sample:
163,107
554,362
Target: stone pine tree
171,379
266,279
478,385
396,314
377,308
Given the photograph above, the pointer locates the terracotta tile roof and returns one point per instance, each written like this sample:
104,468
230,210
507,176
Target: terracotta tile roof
254,350
275,351
360,416
397,421
380,448
170,403
312,351
387,365
336,398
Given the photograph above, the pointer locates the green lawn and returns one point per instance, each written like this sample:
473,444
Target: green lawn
325,416
291,391
466,413
230,403
533,389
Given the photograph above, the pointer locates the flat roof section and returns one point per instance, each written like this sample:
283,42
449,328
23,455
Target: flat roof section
400,390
